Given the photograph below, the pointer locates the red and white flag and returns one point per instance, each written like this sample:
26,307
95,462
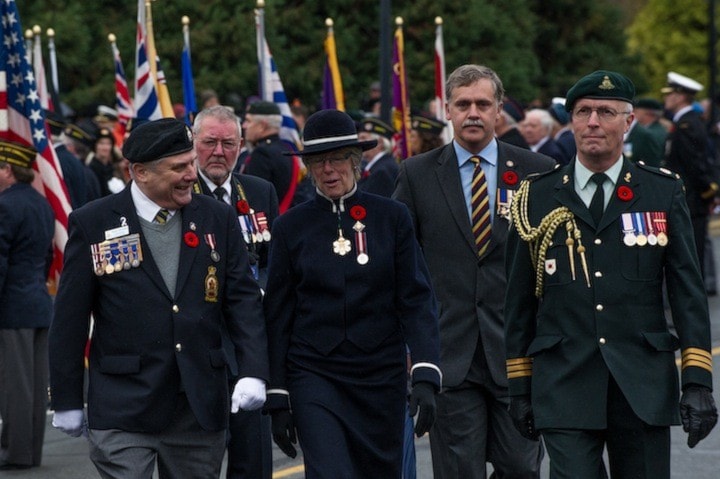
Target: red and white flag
440,78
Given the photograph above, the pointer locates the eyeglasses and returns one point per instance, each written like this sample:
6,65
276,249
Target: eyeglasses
319,161
603,113
227,145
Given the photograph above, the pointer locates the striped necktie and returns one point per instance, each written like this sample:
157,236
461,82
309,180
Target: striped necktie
162,216
480,203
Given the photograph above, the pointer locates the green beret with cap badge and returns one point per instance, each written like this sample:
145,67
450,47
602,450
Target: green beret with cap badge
601,85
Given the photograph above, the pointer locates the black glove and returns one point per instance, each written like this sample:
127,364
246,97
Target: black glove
522,417
422,396
698,413
283,431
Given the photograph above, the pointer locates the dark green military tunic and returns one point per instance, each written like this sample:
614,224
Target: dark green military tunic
608,319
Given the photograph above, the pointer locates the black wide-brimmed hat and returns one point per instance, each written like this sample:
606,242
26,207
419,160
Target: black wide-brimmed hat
329,130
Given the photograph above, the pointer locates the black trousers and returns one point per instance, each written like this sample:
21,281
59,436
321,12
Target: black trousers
635,449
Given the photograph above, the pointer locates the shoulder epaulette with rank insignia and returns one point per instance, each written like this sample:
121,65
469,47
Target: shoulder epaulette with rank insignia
540,174
658,171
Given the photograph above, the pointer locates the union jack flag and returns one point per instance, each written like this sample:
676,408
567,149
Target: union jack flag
147,106
122,95
22,121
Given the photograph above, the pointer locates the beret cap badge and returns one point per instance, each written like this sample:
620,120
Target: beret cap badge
606,84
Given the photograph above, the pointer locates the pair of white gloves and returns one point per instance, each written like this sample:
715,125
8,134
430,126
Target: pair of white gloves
248,395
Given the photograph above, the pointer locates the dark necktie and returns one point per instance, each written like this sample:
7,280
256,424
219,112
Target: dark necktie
597,204
480,204
219,193
161,216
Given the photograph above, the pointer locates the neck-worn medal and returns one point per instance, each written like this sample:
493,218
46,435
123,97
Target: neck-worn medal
341,245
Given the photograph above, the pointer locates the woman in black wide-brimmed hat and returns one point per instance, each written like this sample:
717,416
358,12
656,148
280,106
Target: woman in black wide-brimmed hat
347,290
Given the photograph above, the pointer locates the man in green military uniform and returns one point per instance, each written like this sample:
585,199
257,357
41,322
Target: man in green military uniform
590,360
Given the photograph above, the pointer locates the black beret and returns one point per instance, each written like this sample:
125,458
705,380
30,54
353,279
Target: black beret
601,85
424,123
376,125
19,155
649,104
263,108
157,139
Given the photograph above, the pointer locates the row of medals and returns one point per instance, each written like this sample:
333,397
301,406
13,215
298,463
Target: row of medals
631,239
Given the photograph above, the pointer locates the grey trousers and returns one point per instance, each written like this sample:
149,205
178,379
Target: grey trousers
183,449
23,394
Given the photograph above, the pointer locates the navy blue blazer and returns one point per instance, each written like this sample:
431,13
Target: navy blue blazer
149,343
319,299
26,233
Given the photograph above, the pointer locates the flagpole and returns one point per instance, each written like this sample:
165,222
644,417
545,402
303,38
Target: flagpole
150,41
260,25
53,62
29,45
186,31
187,76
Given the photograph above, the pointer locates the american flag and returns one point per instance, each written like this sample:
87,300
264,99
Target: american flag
122,95
147,106
22,120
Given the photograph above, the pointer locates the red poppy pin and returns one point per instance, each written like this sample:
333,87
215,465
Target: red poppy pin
510,178
357,212
625,193
242,207
191,239
365,174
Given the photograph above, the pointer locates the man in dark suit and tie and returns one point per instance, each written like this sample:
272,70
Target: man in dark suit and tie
162,272
218,138
590,359
461,214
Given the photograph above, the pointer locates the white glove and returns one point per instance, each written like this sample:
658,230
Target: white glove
71,422
248,395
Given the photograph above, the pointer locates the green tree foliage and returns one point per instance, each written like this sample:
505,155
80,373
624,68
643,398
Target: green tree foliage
539,47
670,36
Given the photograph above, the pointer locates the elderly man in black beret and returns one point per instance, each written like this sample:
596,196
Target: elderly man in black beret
161,271
590,359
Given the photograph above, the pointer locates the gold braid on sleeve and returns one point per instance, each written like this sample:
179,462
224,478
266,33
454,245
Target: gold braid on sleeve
540,237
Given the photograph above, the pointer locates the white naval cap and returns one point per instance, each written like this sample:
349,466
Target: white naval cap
681,83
